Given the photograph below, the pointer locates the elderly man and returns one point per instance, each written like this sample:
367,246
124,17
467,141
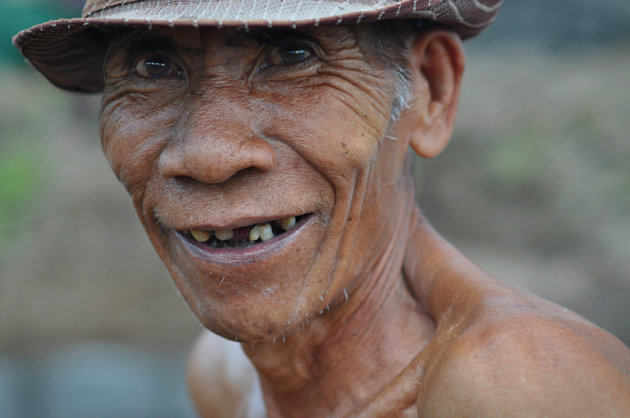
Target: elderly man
267,148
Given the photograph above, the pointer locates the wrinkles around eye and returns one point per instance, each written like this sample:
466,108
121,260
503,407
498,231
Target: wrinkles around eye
130,61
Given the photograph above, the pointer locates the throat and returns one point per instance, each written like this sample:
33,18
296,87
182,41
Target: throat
333,368
345,358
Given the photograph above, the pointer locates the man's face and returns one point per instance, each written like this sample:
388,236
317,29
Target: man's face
222,137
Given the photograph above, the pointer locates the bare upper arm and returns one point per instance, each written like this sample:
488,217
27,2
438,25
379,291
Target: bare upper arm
221,379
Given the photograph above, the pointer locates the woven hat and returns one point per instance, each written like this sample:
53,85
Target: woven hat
70,52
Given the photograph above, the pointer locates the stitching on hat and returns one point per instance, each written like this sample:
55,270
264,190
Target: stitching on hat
225,10
488,9
427,14
107,5
195,13
240,7
179,5
296,11
264,16
216,6
313,11
461,20
342,6
205,10
190,14
254,5
279,10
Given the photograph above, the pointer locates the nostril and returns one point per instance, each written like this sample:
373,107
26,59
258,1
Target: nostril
184,180
247,171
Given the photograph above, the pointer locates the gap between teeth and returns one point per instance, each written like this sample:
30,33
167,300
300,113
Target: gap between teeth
262,232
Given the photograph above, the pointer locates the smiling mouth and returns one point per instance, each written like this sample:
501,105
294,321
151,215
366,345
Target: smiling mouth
245,236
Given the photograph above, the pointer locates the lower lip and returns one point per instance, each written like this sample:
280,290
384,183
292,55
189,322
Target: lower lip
243,255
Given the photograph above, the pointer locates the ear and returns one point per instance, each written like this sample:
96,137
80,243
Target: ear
436,64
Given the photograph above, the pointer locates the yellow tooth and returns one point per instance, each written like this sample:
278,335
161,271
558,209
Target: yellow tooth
287,223
254,233
265,232
224,235
200,236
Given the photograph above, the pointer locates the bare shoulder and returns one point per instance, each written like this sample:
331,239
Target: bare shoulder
524,356
221,379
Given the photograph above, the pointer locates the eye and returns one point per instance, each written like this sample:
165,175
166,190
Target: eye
289,54
156,66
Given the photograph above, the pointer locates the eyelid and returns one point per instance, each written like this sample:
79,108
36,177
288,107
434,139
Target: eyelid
287,41
299,41
285,47
136,56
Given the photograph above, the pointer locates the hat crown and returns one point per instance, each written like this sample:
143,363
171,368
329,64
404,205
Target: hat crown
93,6
482,12
467,16
89,7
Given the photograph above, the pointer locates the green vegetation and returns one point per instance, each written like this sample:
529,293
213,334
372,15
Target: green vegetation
20,180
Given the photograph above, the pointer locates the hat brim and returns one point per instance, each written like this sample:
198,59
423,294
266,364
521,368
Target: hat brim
70,52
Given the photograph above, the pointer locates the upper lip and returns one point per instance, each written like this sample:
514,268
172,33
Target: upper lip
233,223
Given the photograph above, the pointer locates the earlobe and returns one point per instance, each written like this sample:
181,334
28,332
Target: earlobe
437,65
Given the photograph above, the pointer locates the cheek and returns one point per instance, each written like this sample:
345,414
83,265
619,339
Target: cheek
332,135
348,140
132,141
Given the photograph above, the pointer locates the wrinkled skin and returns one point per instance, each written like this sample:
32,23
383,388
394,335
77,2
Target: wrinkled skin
361,309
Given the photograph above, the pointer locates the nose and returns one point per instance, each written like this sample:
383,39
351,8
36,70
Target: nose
211,146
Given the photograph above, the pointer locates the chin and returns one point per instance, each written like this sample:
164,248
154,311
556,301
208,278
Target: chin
253,293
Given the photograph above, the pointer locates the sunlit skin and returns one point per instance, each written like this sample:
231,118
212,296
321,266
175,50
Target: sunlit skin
361,309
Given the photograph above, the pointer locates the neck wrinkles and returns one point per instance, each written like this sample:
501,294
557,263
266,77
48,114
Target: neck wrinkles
381,320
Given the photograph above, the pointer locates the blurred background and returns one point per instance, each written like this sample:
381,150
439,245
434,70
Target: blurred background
534,187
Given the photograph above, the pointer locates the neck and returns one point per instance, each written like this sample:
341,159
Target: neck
347,356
